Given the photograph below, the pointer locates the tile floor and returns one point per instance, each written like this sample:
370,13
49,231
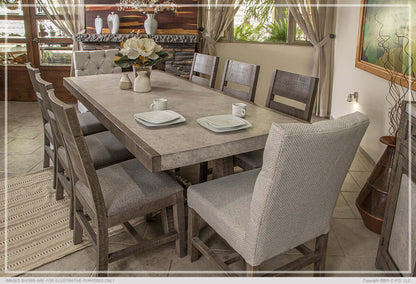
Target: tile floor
352,247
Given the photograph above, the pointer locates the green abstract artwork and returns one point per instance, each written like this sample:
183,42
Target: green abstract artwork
389,35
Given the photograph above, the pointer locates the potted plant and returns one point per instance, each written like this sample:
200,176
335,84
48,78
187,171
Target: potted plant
42,30
52,32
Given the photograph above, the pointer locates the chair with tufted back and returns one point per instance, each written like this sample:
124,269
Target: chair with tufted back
93,63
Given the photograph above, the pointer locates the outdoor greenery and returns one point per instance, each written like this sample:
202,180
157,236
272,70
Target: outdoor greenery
260,24
263,23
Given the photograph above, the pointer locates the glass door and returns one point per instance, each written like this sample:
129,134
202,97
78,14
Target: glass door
26,35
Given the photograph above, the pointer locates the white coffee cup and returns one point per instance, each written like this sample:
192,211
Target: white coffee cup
239,109
159,104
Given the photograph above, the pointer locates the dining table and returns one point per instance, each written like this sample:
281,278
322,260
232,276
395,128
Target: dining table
177,145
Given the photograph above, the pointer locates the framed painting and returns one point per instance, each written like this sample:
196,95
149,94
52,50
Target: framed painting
387,40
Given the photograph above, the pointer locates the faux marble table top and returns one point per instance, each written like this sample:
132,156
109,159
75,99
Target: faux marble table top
177,145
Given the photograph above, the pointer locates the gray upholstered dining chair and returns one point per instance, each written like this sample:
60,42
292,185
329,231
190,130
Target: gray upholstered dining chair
264,212
94,62
243,74
290,93
205,65
105,148
116,194
89,123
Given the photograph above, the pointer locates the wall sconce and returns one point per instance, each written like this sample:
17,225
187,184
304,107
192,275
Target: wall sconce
353,97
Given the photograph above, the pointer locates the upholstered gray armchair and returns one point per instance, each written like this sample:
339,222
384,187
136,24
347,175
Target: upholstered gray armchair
94,62
264,212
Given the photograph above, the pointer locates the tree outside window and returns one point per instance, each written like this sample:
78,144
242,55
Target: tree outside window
266,21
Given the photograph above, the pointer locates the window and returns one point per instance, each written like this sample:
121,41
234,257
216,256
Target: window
27,35
266,21
13,51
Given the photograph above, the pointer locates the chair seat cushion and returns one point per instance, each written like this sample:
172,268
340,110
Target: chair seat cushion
104,148
90,124
127,187
224,204
250,160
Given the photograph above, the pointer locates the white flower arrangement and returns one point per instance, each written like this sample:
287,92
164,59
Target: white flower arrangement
139,51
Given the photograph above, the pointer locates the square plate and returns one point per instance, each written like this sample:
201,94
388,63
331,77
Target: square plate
158,116
148,124
225,121
204,123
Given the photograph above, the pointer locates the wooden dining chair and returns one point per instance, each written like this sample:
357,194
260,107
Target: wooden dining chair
105,148
265,212
295,88
239,73
89,123
243,74
116,194
298,93
205,65
48,154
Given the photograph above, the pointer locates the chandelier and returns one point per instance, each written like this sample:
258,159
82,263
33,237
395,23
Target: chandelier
148,6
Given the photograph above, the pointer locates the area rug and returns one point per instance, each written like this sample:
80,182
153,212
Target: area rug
34,226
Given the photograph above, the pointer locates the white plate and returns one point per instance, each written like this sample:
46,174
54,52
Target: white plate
158,116
225,121
204,123
148,124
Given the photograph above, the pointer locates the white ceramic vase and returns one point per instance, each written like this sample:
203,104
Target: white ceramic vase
150,25
142,83
98,25
125,82
113,22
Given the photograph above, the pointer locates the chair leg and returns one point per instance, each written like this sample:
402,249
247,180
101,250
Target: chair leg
251,270
321,247
203,172
72,216
55,161
46,158
165,220
77,233
193,231
102,258
179,223
59,186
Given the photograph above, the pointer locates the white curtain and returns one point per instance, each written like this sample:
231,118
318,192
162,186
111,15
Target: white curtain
316,19
216,18
68,16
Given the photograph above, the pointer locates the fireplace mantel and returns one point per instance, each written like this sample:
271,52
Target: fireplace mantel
181,48
117,38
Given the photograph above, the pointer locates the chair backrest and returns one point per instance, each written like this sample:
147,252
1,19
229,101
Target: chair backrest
294,87
32,74
43,87
304,167
82,166
206,65
95,62
243,74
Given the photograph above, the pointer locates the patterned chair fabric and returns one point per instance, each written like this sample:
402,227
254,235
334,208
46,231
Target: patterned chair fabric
264,212
93,63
